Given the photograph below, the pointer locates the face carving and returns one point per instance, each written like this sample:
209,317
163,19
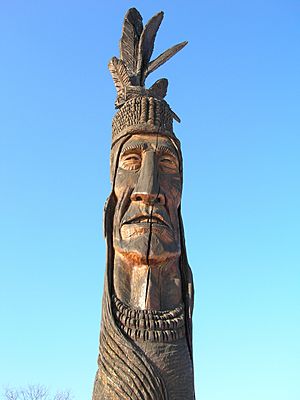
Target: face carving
148,193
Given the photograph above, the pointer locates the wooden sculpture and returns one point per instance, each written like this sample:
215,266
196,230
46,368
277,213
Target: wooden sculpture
146,331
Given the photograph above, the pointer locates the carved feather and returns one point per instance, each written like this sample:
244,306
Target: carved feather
165,56
175,116
129,43
159,88
119,74
146,45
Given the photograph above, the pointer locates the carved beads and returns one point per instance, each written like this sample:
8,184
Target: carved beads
152,325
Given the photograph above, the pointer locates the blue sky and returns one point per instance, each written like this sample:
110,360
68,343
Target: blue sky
236,87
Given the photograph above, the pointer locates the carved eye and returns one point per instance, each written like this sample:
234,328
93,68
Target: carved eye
168,164
130,162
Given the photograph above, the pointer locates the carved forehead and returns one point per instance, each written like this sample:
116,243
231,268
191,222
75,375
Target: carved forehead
148,142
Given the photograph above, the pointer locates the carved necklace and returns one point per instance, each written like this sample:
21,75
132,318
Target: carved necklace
149,325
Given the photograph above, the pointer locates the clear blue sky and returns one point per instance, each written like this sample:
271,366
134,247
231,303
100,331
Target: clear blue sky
236,87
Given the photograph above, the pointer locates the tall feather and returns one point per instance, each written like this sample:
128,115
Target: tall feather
165,56
119,74
131,32
146,45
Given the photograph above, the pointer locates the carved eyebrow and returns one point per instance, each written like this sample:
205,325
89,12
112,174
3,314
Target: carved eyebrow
134,146
167,149
144,146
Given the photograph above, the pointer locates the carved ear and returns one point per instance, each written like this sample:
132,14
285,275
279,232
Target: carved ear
159,88
108,215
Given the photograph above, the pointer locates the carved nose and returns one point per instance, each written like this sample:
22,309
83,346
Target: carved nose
148,198
147,188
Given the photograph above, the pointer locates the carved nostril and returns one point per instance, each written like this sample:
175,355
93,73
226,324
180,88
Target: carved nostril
148,198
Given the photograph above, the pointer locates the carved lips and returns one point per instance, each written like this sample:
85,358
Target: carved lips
140,224
153,218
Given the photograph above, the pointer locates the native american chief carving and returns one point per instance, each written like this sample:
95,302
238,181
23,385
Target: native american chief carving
146,331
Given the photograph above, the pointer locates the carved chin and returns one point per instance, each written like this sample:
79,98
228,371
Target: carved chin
142,249
146,230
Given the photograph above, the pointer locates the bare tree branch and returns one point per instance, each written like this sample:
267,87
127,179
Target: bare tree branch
63,396
35,392
11,394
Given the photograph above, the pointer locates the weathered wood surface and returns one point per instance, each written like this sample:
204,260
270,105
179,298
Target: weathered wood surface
146,331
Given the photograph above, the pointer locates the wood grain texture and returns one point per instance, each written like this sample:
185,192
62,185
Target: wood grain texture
145,350
136,49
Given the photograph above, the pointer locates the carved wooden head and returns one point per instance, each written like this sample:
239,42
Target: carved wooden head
146,174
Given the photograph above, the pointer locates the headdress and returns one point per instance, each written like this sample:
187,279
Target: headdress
140,109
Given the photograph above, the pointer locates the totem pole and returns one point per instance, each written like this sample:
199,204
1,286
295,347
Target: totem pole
146,330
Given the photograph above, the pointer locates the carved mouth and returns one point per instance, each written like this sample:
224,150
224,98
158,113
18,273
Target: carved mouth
147,219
